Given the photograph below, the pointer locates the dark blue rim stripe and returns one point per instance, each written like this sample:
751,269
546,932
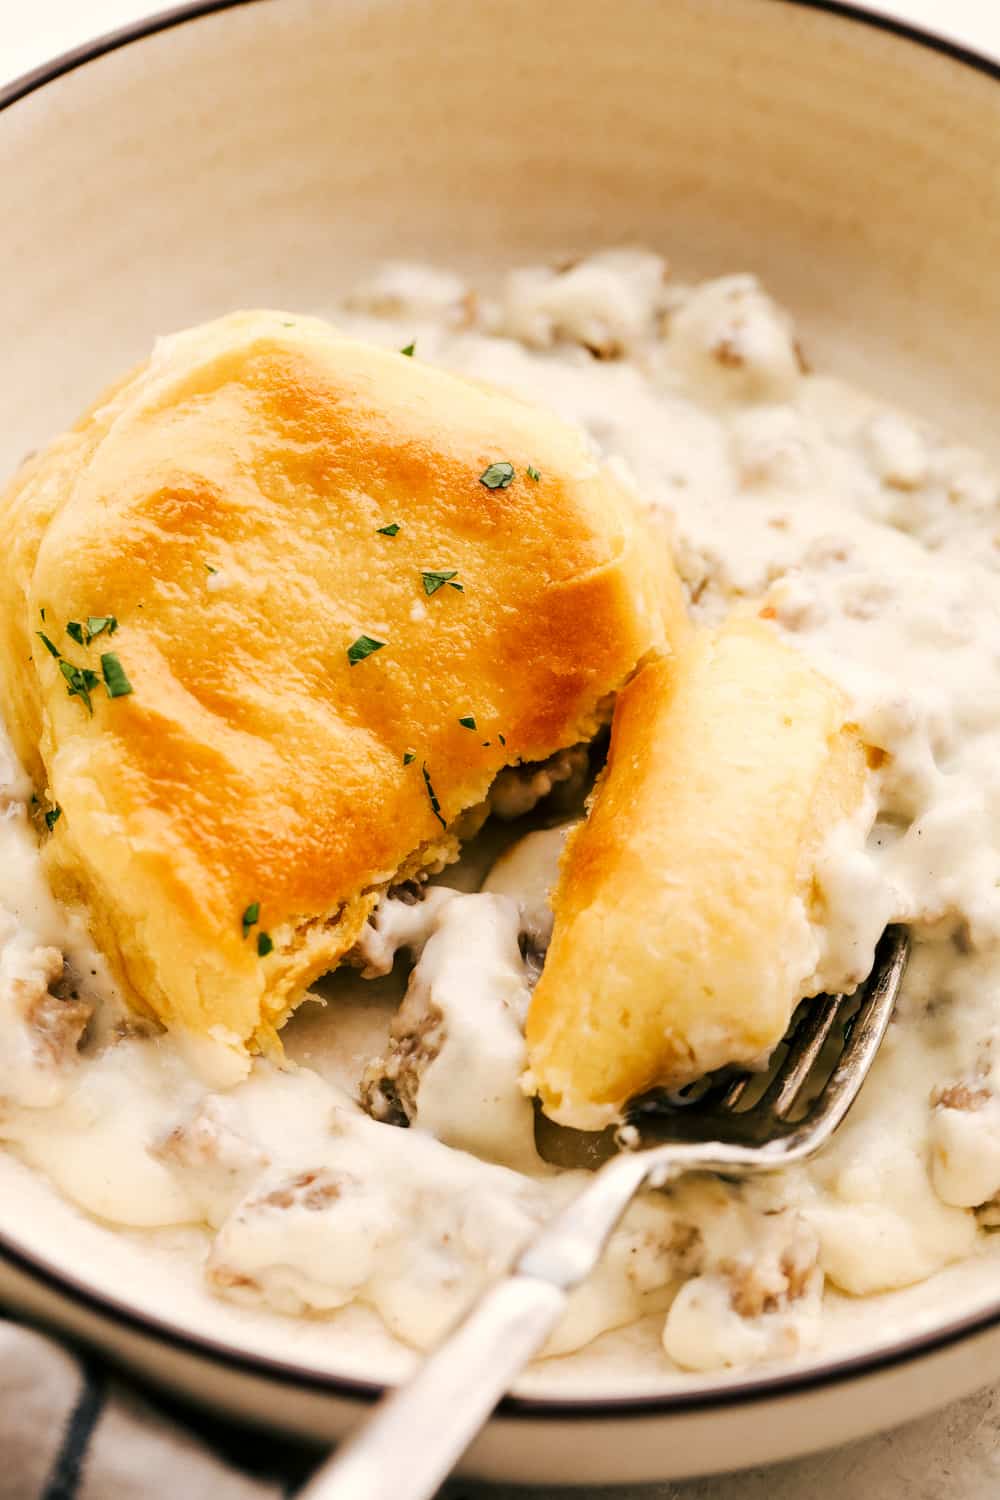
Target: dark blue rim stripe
68,62
614,1408
930,40
165,20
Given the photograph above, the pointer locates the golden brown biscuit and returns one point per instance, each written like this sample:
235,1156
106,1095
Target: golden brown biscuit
233,505
682,937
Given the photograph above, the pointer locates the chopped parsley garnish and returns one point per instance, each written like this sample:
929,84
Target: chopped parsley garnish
264,944
41,613
390,530
115,680
409,349
533,473
98,624
468,721
502,738
498,476
435,579
363,646
208,565
409,756
435,804
251,916
52,817
487,744
80,682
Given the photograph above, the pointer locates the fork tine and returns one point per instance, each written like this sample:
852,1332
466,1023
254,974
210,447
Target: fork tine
804,1047
867,1029
734,1091
761,1136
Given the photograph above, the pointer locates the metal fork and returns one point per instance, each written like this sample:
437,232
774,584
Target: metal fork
419,1432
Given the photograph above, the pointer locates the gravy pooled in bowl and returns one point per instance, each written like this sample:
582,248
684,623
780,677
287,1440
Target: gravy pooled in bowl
406,1177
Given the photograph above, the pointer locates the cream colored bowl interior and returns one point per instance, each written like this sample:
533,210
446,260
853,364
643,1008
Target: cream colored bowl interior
265,154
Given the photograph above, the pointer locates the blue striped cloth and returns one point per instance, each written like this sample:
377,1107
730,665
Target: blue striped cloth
71,1431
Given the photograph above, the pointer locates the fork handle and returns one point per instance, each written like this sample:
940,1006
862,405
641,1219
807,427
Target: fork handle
419,1432
415,1436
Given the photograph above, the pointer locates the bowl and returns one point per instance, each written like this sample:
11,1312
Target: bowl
263,152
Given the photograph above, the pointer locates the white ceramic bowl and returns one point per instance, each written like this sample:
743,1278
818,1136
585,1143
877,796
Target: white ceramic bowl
262,153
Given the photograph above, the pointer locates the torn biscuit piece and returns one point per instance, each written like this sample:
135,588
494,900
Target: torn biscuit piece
684,932
274,615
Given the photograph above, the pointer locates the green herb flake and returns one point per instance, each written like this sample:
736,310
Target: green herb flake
41,613
77,632
468,721
52,817
209,568
487,744
498,476
436,579
409,756
391,530
502,738
364,646
100,625
409,350
115,680
251,916
533,473
52,650
286,324
264,944
435,804
80,682
458,586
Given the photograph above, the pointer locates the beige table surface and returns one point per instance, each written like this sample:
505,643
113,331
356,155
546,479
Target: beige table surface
952,1456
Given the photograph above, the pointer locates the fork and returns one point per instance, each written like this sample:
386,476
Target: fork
420,1431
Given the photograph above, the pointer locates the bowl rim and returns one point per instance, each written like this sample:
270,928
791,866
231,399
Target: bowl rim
733,1391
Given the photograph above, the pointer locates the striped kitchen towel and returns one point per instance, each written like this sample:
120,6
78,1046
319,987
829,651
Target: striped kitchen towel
70,1431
